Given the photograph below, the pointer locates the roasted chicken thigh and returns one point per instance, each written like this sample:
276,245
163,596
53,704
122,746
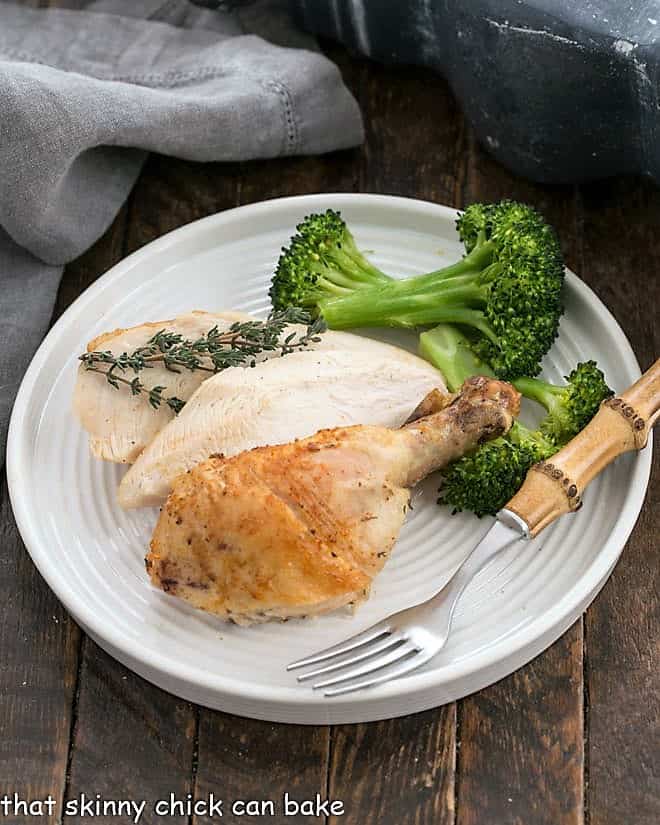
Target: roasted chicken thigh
303,528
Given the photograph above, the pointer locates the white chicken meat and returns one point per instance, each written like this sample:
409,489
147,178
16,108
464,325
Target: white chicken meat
357,381
119,424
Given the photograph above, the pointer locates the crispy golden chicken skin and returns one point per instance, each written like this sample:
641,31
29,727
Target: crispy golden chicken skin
303,528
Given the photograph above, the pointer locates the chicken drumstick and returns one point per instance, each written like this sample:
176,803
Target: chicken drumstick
302,528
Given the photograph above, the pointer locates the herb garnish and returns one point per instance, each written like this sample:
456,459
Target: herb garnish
213,352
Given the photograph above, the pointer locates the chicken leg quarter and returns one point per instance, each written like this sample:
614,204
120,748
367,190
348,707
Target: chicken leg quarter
302,528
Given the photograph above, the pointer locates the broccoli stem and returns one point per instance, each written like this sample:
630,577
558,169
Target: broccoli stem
507,287
568,408
445,348
349,259
520,434
455,293
449,350
338,285
470,266
548,395
400,304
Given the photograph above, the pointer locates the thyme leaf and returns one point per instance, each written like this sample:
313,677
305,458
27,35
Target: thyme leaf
212,352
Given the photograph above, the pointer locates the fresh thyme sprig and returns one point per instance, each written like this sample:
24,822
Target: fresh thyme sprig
215,351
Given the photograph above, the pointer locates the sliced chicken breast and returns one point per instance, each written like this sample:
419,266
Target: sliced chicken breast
120,425
282,399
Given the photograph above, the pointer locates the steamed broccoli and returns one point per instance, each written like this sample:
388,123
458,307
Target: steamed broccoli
485,479
570,408
507,288
322,259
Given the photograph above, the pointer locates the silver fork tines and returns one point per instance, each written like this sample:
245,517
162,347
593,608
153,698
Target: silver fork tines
359,639
400,652
365,652
419,659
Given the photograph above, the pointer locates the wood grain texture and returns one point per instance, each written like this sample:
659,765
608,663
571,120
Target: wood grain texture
416,139
234,758
39,641
396,772
237,758
171,192
521,740
520,756
131,740
622,627
244,759
39,654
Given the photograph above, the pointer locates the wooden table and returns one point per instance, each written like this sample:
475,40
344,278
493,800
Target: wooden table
566,740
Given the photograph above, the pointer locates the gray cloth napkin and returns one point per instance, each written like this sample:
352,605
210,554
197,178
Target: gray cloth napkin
85,94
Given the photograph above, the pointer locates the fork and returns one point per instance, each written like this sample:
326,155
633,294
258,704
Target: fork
404,641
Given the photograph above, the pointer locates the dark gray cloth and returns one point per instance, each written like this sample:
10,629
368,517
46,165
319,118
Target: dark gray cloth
84,94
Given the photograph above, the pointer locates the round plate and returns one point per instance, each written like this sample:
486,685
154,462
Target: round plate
91,553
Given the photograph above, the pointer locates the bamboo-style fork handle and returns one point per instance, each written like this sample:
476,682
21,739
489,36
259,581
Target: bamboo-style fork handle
622,424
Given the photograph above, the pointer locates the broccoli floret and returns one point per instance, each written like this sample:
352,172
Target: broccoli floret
321,260
484,480
507,288
487,478
570,408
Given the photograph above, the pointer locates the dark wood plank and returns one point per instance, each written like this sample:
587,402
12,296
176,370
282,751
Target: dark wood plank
39,644
521,749
235,758
242,766
520,757
171,192
402,770
521,740
249,759
244,759
396,772
416,139
621,262
131,741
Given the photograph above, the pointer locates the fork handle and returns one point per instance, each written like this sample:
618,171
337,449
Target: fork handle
622,424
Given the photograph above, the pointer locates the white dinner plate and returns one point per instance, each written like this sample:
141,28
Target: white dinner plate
92,553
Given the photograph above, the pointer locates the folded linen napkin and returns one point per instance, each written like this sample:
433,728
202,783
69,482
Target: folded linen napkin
85,94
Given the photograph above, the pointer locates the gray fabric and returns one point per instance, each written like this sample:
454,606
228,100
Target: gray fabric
84,94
